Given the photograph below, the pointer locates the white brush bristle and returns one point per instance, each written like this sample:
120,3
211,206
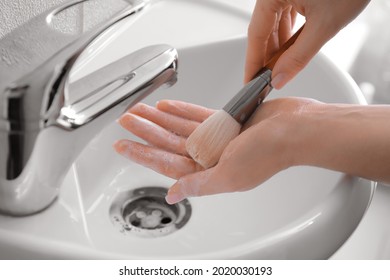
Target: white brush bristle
206,144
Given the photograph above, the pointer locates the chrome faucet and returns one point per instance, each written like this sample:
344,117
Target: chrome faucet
46,120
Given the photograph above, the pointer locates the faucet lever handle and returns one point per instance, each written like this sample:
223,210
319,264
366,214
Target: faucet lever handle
92,95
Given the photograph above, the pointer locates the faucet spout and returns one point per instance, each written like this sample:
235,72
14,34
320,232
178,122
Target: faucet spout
46,119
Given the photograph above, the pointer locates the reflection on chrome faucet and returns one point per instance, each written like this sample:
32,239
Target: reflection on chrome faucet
46,120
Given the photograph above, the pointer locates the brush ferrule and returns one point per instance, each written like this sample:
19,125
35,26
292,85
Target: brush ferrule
245,102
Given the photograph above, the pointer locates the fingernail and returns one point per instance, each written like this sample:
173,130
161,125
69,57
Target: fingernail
173,198
138,107
279,81
125,148
123,119
119,146
128,120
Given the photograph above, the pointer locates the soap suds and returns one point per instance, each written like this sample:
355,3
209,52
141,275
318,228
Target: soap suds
154,134
163,162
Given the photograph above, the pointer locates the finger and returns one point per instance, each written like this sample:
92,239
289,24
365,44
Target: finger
293,17
163,162
178,125
153,134
185,110
261,27
286,25
292,61
195,184
272,45
211,181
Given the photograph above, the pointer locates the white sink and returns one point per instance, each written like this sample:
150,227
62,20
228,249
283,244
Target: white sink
301,213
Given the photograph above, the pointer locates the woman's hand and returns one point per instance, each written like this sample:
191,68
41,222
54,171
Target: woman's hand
282,133
272,25
262,149
165,128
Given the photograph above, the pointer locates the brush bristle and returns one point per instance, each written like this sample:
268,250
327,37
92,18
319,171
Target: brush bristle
206,144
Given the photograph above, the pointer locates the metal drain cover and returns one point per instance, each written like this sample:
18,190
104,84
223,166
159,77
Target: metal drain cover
144,212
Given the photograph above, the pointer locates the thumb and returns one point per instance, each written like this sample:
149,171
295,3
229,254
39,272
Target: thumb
296,57
195,184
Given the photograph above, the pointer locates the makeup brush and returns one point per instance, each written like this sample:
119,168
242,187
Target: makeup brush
207,142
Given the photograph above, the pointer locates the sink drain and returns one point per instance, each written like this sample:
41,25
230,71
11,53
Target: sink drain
144,212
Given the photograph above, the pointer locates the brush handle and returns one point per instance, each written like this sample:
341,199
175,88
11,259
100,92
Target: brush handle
271,63
245,102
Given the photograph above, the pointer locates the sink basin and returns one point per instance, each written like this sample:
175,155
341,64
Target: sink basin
301,213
